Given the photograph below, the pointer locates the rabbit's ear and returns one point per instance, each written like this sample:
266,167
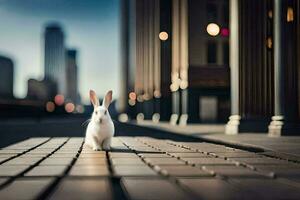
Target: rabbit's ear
94,99
107,99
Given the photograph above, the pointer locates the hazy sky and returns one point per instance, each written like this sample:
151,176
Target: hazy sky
90,26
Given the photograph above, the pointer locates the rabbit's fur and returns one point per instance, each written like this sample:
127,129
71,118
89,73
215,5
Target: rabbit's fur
101,128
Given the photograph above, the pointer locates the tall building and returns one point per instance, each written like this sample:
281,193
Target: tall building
72,76
6,77
54,57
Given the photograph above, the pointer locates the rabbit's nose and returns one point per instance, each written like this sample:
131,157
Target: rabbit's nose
100,120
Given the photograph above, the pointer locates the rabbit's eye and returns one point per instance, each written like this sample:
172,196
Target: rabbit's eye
105,112
96,112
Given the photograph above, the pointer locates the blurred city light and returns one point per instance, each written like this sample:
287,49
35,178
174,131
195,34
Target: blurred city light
59,99
131,102
183,84
225,32
140,98
163,36
140,117
69,107
213,29
50,106
269,43
123,118
132,96
155,117
157,94
290,14
80,109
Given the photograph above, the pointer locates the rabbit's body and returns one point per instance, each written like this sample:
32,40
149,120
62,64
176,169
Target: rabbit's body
99,135
101,128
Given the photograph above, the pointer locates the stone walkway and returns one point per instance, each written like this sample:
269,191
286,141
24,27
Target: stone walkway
142,168
287,147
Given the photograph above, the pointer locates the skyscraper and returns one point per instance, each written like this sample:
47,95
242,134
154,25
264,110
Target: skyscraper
72,77
6,77
55,66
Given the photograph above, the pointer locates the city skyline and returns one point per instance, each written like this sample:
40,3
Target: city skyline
96,39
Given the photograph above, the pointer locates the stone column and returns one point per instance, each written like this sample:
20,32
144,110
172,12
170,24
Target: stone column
275,127
234,119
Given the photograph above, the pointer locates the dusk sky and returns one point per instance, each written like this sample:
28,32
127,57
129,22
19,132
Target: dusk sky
90,26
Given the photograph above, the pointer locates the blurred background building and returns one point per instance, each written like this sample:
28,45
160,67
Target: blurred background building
43,90
175,67
55,62
72,76
177,51
6,78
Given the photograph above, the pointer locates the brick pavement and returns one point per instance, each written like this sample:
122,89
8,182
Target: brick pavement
142,168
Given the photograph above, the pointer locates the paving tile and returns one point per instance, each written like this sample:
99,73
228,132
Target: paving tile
6,170
3,159
83,188
91,161
267,188
86,170
127,161
3,180
182,170
154,155
263,161
89,150
91,155
63,155
11,151
28,155
22,161
40,152
164,161
56,161
133,170
54,170
144,149
25,189
212,189
208,161
190,155
238,155
8,155
154,188
175,150
235,171
122,155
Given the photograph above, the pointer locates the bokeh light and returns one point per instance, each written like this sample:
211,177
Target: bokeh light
50,106
225,32
213,29
132,96
163,36
80,108
123,117
59,99
69,107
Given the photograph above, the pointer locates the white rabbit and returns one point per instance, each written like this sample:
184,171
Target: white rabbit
101,128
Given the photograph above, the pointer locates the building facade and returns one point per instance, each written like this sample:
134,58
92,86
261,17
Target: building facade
54,57
264,61
6,78
41,90
167,68
72,76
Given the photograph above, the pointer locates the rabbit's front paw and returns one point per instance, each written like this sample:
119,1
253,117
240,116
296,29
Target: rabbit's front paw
97,148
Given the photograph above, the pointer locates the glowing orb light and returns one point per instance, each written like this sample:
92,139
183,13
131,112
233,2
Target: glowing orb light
163,36
213,29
